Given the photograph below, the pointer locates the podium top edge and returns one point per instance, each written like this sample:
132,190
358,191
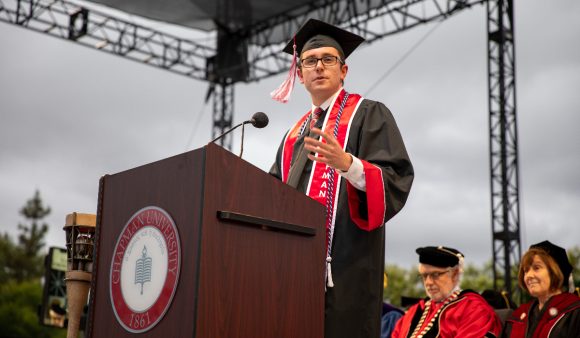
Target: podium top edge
76,218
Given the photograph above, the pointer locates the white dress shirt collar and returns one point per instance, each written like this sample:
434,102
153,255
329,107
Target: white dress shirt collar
326,104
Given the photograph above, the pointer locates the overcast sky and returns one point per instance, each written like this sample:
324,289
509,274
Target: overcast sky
70,114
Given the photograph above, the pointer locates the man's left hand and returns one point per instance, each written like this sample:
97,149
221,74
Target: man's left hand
329,152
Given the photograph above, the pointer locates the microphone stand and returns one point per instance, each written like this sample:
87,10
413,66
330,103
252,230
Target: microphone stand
242,144
229,131
243,124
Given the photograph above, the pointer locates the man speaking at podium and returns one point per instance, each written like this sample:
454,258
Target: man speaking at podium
346,153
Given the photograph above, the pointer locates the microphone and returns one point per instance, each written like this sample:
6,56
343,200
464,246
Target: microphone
258,120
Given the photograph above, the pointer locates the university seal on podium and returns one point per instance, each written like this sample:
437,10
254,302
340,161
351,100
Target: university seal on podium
145,269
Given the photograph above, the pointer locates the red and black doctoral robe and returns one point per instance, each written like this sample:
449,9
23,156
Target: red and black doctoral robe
367,130
559,318
467,316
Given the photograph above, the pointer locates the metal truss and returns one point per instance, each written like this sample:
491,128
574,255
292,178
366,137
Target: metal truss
223,107
503,143
104,32
372,19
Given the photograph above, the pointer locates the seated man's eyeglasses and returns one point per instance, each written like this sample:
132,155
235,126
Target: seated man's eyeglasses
327,60
434,275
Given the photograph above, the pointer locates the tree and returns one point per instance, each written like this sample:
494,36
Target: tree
7,259
23,261
402,282
21,266
574,257
477,279
32,237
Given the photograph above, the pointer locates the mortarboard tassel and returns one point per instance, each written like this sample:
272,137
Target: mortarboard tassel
283,92
329,281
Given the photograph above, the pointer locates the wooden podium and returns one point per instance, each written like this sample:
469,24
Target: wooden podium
251,250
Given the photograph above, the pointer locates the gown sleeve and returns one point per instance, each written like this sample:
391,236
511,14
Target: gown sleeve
471,318
387,167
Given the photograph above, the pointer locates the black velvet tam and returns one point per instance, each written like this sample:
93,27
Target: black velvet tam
439,256
315,34
558,254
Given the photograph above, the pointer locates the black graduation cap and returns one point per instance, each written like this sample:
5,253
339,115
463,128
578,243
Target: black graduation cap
315,33
558,254
440,256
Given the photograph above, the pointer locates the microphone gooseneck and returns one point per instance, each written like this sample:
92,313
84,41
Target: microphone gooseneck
258,120
229,131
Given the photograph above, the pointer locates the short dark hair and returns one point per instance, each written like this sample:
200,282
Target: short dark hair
556,275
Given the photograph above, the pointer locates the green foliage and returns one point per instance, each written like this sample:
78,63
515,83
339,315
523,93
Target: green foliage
574,257
406,282
402,282
21,266
32,237
477,279
23,261
19,312
8,251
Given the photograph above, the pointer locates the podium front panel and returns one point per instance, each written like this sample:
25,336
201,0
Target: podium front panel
174,185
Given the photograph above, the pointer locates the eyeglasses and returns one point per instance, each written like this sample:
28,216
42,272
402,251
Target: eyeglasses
434,275
327,60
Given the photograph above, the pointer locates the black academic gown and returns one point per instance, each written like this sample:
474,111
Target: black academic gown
353,306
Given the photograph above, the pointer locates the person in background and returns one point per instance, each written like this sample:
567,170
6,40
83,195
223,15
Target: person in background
391,314
554,312
448,311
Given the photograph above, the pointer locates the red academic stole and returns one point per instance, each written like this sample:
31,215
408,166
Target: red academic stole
324,183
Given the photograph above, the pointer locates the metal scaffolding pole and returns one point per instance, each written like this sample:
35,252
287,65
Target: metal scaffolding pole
223,106
503,143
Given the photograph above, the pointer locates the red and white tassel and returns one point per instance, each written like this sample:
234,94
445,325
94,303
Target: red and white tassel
283,92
